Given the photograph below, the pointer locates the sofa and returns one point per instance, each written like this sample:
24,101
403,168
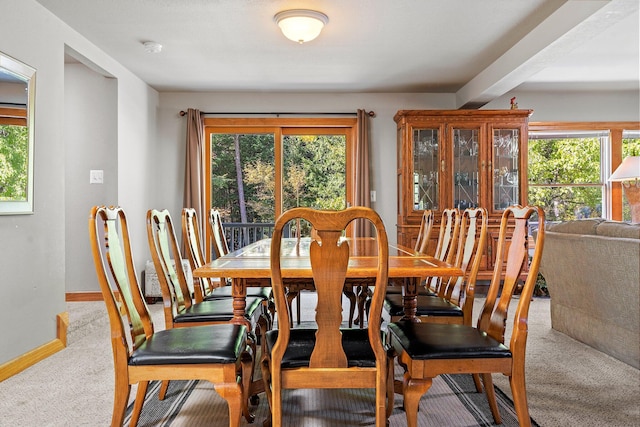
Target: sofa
592,271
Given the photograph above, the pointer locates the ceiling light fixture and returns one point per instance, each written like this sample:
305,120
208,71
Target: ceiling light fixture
152,47
301,25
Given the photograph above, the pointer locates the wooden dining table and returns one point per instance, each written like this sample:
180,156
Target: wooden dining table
249,266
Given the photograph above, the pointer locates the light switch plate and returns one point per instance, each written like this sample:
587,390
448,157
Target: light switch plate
96,177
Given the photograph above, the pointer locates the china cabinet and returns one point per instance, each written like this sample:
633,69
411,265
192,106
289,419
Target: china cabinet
460,158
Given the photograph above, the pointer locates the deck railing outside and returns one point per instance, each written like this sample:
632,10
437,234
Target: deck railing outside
241,234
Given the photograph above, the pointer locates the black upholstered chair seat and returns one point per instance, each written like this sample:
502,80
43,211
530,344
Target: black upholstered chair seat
423,341
355,343
426,306
219,310
225,292
211,344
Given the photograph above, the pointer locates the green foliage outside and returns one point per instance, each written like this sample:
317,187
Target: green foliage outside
14,156
313,175
565,161
556,164
315,172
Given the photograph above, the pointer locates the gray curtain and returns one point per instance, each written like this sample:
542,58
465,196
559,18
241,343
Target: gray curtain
362,171
193,179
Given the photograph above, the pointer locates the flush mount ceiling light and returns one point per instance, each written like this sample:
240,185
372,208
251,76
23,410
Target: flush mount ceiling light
301,25
152,47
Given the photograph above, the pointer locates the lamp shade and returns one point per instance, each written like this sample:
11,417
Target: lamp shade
301,25
628,170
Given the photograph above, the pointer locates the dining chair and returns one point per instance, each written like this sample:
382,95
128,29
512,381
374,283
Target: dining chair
455,304
426,350
216,353
295,287
327,355
395,288
218,238
218,288
180,309
203,286
445,247
424,233
421,246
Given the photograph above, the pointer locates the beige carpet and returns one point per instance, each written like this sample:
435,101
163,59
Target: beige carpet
195,403
569,384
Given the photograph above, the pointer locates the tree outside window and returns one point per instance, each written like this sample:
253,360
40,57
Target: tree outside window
565,176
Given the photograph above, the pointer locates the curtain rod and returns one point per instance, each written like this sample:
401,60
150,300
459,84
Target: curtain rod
369,113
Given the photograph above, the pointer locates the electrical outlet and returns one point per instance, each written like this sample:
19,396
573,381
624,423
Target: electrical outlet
96,177
373,196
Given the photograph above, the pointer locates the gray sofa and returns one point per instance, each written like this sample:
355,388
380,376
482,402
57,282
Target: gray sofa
592,270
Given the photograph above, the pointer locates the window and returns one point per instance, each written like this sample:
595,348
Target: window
260,167
569,165
565,174
630,147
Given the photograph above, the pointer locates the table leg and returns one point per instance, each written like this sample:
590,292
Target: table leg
410,298
239,292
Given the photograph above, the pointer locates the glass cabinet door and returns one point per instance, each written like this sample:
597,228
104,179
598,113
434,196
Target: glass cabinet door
506,155
465,168
425,168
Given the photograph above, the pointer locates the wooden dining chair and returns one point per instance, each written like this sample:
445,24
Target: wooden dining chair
327,355
180,310
203,286
426,350
424,233
219,288
455,303
445,247
216,353
421,246
218,238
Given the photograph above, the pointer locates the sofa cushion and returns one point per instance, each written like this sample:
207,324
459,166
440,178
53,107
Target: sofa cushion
580,226
618,229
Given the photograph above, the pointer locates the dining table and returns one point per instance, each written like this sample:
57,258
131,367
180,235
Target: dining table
249,266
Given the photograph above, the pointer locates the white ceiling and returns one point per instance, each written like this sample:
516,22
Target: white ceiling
476,49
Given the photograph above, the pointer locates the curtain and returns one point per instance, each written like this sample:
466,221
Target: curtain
361,179
193,179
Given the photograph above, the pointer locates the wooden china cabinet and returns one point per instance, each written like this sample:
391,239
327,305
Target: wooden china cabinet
460,158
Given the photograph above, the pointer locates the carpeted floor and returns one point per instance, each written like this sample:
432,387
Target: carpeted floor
195,403
568,383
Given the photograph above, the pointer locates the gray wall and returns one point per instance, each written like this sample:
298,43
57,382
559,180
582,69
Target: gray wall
90,135
33,254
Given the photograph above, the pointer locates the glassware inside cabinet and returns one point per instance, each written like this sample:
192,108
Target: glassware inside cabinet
425,169
506,155
465,168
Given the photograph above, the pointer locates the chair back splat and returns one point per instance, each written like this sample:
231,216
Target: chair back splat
327,355
217,353
220,245
446,246
203,286
424,234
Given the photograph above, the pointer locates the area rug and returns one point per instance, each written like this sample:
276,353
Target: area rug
451,401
